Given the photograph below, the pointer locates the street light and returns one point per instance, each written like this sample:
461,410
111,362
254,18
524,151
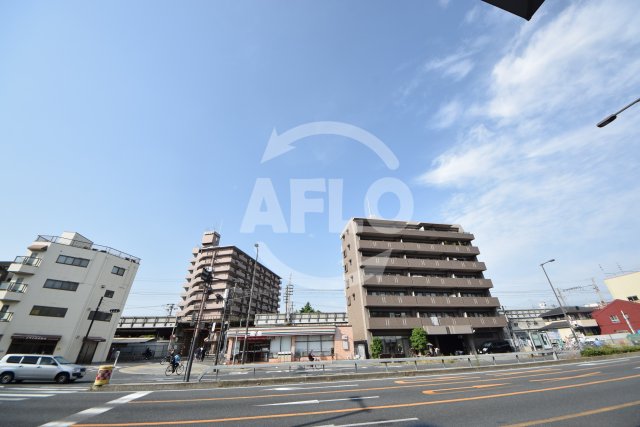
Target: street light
614,116
246,329
564,312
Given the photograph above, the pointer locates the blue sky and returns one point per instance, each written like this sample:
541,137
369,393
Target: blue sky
143,124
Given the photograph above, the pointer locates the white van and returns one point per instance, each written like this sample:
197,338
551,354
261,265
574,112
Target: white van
38,367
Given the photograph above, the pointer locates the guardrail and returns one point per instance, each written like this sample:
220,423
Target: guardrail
412,363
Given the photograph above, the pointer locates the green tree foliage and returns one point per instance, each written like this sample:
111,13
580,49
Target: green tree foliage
418,340
308,309
376,347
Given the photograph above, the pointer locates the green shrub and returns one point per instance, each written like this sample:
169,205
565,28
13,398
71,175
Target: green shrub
376,347
607,349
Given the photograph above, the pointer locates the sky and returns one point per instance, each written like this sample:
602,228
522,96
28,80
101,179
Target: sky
141,125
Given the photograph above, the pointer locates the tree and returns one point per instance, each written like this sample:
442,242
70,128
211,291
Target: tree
376,347
308,309
418,340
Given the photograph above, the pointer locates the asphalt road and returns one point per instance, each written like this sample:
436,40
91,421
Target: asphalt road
586,393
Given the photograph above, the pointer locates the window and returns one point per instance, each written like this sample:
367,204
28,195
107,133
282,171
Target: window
633,298
61,284
14,359
320,345
100,315
109,294
614,319
69,260
41,310
30,360
47,361
117,270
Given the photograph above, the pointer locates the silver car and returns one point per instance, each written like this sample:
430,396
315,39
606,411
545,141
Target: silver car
38,367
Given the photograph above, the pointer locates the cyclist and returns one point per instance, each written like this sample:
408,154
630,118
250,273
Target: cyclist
175,361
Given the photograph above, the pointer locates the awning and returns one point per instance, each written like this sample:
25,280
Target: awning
38,246
96,339
34,337
133,340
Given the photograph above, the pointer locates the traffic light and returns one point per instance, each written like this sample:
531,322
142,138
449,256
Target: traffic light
207,275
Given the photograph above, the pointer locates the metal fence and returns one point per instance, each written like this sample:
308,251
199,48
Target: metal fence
421,364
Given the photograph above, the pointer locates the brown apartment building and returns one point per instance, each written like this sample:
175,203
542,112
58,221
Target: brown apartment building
232,276
405,275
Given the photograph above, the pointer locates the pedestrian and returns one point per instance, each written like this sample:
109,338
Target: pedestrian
198,350
201,354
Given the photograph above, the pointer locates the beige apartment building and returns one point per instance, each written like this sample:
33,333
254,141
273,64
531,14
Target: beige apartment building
65,297
625,286
233,272
405,275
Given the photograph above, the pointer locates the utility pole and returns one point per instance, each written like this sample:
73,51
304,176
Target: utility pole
169,308
288,301
562,309
223,327
626,318
595,287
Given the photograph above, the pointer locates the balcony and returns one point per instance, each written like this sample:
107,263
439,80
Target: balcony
25,265
411,247
405,232
394,322
390,301
488,322
428,282
5,316
462,302
10,291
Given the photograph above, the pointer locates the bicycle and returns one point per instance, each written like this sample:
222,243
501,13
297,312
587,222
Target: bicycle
179,370
165,359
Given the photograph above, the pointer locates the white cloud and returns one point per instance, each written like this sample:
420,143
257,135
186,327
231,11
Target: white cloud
457,65
447,115
534,178
575,57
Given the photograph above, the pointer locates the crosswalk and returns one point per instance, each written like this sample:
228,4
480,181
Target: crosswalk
15,394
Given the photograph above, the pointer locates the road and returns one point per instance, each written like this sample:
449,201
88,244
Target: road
585,393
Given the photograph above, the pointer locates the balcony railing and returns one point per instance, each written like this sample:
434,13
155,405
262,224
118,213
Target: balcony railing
28,260
85,245
13,287
5,316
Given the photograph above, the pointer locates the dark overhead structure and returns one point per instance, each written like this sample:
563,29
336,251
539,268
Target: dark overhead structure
523,8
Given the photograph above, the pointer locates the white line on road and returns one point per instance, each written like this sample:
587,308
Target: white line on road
603,362
403,420
11,399
310,388
25,395
88,413
310,402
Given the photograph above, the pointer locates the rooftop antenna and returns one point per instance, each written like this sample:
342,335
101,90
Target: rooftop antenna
369,209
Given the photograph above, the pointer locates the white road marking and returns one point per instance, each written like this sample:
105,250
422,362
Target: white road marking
88,413
11,399
603,362
25,395
310,402
310,388
403,420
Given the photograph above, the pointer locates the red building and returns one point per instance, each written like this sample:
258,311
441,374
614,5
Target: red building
611,318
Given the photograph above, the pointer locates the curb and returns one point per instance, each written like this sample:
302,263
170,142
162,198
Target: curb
337,377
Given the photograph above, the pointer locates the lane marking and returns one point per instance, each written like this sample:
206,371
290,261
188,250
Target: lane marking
11,399
351,390
371,423
588,374
576,415
25,395
421,380
603,362
504,374
458,389
354,410
309,402
91,412
309,388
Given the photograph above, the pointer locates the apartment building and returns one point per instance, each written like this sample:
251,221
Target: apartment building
233,272
405,275
624,286
64,297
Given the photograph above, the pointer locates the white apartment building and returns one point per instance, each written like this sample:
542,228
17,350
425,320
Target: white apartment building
65,297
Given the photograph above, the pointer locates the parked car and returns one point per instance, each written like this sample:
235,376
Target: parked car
38,367
495,347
